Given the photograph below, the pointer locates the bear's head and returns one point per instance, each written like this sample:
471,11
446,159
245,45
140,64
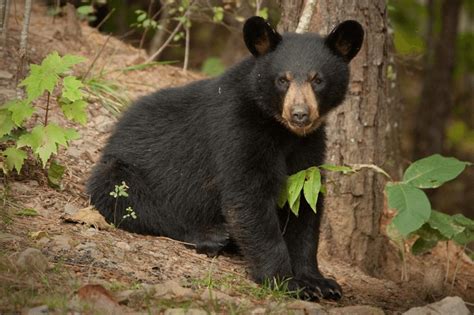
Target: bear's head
299,78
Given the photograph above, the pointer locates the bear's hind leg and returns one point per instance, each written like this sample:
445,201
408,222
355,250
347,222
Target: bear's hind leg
212,241
111,172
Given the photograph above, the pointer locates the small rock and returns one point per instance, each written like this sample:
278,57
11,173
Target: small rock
103,123
258,311
356,310
61,243
20,188
6,237
123,245
172,287
38,310
307,307
209,294
74,152
183,311
70,208
5,75
32,259
452,305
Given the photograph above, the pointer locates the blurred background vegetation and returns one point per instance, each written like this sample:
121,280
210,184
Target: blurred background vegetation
433,53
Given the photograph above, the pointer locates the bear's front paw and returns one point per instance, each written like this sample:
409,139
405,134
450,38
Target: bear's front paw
315,288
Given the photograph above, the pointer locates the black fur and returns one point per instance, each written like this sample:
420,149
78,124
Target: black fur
205,162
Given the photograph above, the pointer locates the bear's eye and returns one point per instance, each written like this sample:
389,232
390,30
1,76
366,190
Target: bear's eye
282,81
316,79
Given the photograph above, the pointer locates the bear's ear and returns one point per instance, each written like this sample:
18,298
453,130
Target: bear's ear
259,36
346,39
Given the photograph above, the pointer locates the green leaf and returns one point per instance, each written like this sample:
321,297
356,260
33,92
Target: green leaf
6,122
412,205
263,13
213,66
14,158
445,224
39,80
422,246
312,186
141,17
218,14
75,111
21,110
70,60
55,174
465,237
295,207
295,184
72,89
336,168
463,221
44,141
429,233
433,171
85,10
32,139
283,197
71,134
27,212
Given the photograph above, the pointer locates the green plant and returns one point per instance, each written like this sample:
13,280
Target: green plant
52,78
86,13
122,191
414,216
143,20
308,181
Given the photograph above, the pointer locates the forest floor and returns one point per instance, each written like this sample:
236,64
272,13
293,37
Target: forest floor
108,270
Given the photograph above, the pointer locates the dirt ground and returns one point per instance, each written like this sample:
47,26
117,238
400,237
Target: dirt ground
126,263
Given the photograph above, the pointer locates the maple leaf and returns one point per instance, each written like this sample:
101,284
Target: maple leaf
14,158
75,111
20,109
71,89
6,122
41,78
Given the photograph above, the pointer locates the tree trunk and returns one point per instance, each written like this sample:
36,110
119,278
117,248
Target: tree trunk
290,15
437,96
363,130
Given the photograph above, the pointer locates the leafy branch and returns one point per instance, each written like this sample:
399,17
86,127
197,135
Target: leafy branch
50,78
414,215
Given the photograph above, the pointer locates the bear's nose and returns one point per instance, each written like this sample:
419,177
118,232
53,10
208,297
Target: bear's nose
300,115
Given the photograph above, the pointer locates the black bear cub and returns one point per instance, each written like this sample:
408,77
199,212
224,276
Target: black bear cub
205,162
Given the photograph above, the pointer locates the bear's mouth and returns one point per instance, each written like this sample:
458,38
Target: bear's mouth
301,130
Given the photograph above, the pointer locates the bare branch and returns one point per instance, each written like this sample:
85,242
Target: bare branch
175,31
186,48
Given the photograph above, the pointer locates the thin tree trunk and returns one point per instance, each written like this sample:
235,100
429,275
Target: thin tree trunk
362,130
4,10
437,100
24,43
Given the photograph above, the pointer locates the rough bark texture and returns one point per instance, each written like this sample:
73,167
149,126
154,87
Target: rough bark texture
290,14
363,130
436,100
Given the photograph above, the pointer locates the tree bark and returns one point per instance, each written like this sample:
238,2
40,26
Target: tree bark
437,100
363,130
290,15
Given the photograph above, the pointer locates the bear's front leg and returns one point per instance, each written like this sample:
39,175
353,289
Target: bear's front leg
302,238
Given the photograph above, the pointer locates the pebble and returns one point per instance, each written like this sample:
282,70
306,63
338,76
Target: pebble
31,259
